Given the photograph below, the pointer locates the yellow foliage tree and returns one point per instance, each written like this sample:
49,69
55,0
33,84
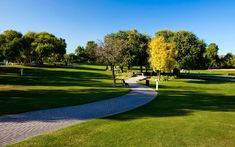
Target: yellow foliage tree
161,54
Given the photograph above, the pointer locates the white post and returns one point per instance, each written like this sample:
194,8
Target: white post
21,71
156,84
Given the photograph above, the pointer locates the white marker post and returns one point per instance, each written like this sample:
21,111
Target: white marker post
156,84
21,72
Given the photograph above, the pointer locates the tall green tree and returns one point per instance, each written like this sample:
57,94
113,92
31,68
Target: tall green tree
139,46
135,52
212,55
80,53
233,61
90,51
70,58
87,53
167,34
47,46
11,45
190,49
2,42
29,53
226,61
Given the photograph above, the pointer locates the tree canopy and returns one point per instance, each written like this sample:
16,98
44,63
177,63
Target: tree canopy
135,52
110,52
211,55
11,45
190,49
38,47
162,54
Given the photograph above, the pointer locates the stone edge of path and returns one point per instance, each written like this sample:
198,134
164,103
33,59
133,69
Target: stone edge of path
58,118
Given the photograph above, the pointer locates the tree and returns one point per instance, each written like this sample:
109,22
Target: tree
90,51
11,45
190,49
136,49
2,42
80,53
48,46
32,46
79,50
110,52
87,53
226,61
139,46
162,55
233,61
70,58
212,55
29,53
167,34
126,57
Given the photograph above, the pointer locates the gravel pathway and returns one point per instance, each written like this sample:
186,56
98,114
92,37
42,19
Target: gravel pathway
15,128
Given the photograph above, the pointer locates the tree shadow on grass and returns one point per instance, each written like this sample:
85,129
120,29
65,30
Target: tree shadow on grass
180,103
209,81
86,67
18,101
208,77
169,103
43,77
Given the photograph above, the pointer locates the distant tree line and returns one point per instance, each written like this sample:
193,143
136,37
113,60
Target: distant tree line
190,51
193,53
123,49
32,47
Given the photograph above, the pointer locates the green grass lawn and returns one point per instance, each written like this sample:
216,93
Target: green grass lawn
48,87
219,72
186,113
89,66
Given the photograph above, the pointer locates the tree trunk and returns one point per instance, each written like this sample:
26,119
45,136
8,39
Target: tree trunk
129,67
158,75
141,68
113,75
40,62
121,67
146,69
107,67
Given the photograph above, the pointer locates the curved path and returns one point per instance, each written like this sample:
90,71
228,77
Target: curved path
15,128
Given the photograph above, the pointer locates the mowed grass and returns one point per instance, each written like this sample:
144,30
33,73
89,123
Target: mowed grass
219,72
187,112
48,87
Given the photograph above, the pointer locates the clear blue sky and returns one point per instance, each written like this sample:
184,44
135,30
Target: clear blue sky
78,21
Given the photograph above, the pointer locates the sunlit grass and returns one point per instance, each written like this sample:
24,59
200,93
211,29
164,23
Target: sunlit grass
44,87
224,72
186,113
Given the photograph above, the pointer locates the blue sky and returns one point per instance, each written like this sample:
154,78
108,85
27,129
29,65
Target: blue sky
78,21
